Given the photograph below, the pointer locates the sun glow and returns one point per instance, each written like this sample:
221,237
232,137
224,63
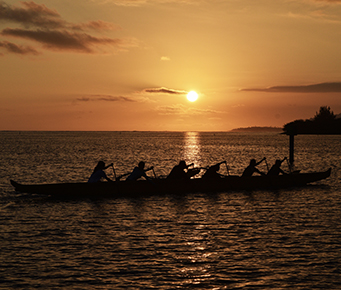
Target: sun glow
192,96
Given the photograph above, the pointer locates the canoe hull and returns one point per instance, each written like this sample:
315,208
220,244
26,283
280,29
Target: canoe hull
165,186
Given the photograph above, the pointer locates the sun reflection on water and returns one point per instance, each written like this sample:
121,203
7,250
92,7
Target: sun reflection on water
192,146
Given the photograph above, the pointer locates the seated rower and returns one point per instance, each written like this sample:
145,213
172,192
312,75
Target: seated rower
275,170
252,168
138,172
178,171
212,172
99,173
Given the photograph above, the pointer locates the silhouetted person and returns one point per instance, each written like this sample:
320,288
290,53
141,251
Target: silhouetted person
138,172
178,171
251,169
212,172
99,173
276,168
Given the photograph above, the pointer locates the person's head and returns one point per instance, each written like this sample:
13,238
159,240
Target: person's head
253,162
182,164
141,165
278,162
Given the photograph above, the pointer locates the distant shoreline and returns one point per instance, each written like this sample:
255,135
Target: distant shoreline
258,129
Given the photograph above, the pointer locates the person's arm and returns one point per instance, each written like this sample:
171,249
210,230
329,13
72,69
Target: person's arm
106,177
144,173
112,164
258,171
260,161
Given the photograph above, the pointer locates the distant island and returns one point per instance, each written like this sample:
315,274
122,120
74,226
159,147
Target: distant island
324,122
258,130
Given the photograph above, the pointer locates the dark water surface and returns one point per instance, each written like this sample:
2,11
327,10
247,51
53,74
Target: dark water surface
285,239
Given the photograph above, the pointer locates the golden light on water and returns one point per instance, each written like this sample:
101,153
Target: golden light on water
192,147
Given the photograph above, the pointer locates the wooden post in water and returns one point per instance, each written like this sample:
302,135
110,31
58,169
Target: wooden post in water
291,150
292,132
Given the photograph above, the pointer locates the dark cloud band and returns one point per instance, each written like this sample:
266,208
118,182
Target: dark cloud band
18,49
333,87
165,91
106,98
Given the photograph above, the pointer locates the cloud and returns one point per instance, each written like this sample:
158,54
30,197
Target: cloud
332,87
31,14
163,90
62,39
165,58
45,26
95,25
180,109
144,2
330,1
106,98
18,49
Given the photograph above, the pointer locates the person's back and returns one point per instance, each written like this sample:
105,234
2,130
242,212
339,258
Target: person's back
251,169
97,176
275,170
248,171
99,173
137,172
212,172
178,171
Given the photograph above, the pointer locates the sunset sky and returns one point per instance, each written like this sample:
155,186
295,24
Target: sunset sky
129,64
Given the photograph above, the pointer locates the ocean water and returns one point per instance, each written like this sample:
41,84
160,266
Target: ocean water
283,239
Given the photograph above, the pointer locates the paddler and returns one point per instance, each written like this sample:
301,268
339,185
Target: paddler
251,169
179,171
276,168
212,172
99,173
139,172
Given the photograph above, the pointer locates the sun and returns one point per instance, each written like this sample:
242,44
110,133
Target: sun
192,96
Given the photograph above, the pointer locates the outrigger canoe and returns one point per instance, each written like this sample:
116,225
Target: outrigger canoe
166,186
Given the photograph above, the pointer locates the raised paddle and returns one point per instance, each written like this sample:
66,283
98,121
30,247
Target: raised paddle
189,165
154,173
266,162
289,165
126,174
113,169
122,175
227,168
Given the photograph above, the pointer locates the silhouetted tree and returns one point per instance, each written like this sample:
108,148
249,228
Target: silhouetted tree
324,115
324,122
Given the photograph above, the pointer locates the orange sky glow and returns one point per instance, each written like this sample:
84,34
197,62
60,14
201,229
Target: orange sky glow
129,64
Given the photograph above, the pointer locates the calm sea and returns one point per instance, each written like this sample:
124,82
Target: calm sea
284,239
